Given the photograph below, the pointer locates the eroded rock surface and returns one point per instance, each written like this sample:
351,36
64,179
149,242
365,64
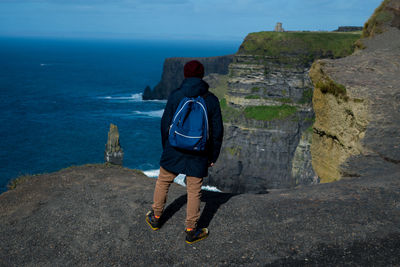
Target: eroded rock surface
95,216
356,101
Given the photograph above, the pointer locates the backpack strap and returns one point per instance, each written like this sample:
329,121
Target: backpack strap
204,96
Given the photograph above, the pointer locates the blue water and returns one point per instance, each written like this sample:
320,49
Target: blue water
58,98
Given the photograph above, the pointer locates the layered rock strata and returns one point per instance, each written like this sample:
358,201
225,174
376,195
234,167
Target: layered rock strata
172,75
267,111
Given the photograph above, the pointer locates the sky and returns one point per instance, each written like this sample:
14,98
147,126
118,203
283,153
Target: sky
176,19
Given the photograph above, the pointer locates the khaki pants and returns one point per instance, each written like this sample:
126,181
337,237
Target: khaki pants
193,185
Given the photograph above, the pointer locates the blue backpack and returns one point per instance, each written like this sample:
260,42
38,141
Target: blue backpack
189,127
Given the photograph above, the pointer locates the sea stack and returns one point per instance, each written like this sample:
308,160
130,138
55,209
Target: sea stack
113,153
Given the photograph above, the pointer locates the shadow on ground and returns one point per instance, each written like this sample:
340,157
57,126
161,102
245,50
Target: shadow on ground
213,201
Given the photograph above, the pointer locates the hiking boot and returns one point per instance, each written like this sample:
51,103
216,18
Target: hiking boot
196,235
152,220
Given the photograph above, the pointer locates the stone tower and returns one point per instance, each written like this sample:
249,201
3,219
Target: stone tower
278,27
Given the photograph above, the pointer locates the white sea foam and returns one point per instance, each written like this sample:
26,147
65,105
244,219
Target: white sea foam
153,113
180,179
156,100
130,98
152,173
211,188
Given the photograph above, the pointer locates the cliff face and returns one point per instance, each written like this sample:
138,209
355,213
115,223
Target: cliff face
172,75
357,103
266,105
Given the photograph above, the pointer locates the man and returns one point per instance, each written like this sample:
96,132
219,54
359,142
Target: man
192,163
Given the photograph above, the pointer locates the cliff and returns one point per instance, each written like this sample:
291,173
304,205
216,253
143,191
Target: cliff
386,16
357,103
172,75
94,215
267,110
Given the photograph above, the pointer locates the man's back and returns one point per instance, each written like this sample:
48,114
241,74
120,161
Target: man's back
186,162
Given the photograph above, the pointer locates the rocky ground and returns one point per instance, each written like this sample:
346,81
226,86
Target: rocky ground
94,216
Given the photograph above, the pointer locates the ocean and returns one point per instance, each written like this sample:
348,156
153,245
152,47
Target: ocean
59,96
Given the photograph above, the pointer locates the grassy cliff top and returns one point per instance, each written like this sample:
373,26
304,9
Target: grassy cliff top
312,44
387,14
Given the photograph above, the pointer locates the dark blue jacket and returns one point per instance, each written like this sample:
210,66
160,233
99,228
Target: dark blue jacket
186,162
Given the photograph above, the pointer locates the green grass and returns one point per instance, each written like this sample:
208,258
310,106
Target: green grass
311,45
228,113
331,87
307,96
221,88
325,83
310,119
252,97
376,22
269,113
234,151
223,103
255,89
282,99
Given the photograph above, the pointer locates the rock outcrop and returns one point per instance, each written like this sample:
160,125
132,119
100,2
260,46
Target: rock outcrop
385,17
348,29
113,152
357,103
267,111
94,216
172,75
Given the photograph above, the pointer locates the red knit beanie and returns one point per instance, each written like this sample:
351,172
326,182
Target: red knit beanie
193,69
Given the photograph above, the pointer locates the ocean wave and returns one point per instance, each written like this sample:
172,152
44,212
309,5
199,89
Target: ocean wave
211,188
156,101
130,98
153,113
